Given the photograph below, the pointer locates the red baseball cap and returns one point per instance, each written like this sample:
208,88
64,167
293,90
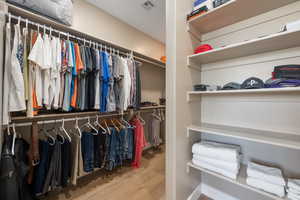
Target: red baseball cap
203,48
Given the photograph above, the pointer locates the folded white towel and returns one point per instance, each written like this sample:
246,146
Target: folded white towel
218,151
293,196
268,174
229,174
268,187
226,165
295,192
294,184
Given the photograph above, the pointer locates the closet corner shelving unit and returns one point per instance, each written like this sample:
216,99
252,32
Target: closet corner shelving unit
230,13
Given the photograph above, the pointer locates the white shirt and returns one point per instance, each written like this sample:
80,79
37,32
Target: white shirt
17,89
36,56
125,84
57,72
46,70
53,72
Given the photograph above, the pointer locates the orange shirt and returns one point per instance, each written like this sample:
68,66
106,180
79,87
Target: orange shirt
79,64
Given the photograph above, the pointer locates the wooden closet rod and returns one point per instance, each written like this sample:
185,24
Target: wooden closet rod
65,30
60,116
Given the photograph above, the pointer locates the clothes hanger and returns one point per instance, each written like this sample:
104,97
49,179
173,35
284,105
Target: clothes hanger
9,18
57,132
89,125
126,122
50,32
115,126
141,119
98,124
62,128
19,20
44,30
107,128
77,128
156,115
14,139
47,135
120,124
26,24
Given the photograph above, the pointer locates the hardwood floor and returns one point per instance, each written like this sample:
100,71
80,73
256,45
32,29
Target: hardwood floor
146,183
204,198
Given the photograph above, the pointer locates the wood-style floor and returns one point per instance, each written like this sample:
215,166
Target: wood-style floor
146,183
204,198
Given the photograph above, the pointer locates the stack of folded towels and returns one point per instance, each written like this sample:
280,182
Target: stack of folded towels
269,179
293,189
221,158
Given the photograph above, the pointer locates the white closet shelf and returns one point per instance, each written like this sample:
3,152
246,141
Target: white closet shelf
286,140
274,42
245,91
241,180
232,12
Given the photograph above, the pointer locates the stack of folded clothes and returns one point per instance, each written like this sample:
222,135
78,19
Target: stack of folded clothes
269,179
221,158
293,189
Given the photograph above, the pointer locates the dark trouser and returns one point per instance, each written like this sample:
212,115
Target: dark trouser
100,148
87,146
65,163
41,169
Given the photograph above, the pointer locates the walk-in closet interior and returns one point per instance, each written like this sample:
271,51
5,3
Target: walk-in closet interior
83,101
231,134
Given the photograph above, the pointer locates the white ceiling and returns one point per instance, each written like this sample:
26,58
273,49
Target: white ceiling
152,22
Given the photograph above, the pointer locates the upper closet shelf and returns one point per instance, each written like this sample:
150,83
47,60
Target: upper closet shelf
278,41
232,12
286,140
195,95
241,180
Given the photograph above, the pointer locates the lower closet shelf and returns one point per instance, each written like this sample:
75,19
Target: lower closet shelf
287,140
241,180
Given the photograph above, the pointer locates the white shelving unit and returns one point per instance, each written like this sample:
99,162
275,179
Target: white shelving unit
219,17
287,140
214,20
241,180
278,41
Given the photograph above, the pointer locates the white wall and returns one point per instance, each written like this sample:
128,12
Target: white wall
180,79
94,21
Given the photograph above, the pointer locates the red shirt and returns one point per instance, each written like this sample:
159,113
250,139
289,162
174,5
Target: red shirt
139,141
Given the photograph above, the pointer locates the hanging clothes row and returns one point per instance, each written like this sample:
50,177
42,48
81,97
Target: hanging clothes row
44,72
64,154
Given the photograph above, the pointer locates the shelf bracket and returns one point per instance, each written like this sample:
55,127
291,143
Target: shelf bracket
188,169
188,133
192,97
193,65
194,32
